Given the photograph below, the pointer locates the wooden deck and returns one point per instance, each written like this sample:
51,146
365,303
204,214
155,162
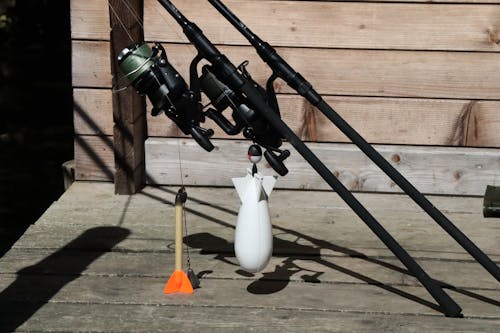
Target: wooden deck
97,262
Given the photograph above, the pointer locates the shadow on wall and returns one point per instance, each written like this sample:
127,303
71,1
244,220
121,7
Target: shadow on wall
104,167
36,285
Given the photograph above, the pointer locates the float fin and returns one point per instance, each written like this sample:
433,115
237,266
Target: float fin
178,283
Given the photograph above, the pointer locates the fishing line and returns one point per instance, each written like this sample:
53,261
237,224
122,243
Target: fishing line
120,21
134,13
138,19
188,257
117,88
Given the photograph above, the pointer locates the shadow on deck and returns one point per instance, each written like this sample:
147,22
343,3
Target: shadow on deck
98,262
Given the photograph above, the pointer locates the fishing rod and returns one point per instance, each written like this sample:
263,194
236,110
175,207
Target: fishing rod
255,113
297,82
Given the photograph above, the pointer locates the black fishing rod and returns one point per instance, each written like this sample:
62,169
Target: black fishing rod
241,84
284,71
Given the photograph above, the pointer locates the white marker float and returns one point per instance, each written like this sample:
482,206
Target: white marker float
253,239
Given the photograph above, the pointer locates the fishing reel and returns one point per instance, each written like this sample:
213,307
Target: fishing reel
254,126
151,74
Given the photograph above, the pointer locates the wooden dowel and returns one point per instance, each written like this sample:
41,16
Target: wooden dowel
178,235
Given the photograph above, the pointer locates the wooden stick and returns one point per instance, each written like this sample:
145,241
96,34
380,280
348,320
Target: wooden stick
178,234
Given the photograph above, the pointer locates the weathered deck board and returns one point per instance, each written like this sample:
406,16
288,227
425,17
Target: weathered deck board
218,240
102,257
149,291
330,269
153,212
212,196
135,317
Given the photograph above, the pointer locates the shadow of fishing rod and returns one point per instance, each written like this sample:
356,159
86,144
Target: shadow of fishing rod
223,249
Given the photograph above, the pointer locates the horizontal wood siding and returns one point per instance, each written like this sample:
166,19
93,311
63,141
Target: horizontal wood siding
94,158
340,25
296,23
412,73
435,170
411,121
336,72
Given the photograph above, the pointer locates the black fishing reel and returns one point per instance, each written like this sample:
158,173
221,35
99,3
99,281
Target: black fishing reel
151,74
254,126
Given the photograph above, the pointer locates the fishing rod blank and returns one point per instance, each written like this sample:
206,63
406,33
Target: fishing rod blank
228,74
283,70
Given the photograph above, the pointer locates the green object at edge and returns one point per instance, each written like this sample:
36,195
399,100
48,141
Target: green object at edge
491,204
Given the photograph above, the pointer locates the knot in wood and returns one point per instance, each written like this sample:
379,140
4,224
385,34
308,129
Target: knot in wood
493,36
396,158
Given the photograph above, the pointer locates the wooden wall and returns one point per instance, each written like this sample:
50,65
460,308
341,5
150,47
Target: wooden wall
421,80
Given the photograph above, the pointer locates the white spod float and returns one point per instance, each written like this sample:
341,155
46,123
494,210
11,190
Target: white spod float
253,240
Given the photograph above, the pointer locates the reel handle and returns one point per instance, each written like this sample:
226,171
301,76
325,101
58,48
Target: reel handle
276,161
202,135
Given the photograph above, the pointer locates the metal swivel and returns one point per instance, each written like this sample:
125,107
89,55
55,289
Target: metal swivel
254,156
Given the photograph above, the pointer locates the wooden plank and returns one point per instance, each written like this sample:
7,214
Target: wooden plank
338,25
155,202
94,158
394,73
460,171
213,213
298,231
329,269
378,120
91,66
460,75
477,115
93,111
87,193
66,254
349,236
414,121
153,318
227,293
343,25
89,19
411,121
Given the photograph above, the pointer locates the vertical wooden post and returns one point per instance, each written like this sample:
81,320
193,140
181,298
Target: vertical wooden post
129,109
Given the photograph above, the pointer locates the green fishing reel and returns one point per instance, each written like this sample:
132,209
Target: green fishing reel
150,73
136,60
